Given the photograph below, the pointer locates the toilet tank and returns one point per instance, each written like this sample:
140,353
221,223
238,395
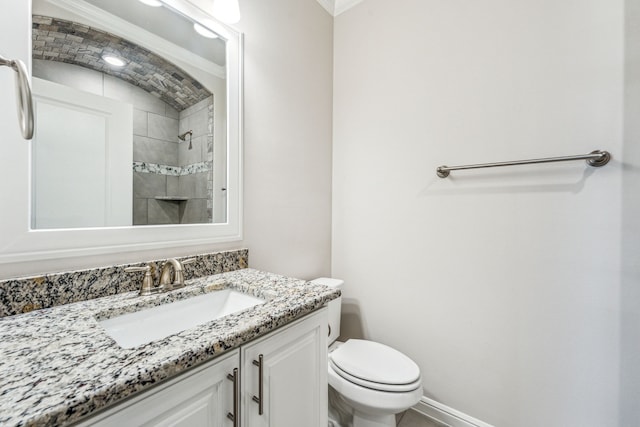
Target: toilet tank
333,306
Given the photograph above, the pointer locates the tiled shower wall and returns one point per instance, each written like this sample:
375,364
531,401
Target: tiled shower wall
155,136
168,167
163,165
196,177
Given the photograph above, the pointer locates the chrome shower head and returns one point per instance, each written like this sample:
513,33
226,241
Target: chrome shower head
183,137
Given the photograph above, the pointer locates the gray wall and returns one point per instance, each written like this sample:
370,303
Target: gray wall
503,284
287,140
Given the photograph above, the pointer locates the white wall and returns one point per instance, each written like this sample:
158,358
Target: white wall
630,294
288,93
287,139
503,285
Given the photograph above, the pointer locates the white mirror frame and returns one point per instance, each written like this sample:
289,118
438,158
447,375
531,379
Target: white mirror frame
18,242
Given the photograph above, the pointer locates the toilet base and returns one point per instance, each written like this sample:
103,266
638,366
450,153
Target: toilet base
369,420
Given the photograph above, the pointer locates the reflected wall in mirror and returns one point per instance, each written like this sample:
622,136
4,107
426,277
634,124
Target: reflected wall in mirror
131,116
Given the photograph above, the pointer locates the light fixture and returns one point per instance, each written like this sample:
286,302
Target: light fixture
204,32
152,3
114,60
228,11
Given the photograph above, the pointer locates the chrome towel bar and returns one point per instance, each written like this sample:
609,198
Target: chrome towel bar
23,95
595,158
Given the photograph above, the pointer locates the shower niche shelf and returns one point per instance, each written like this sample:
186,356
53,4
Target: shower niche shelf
171,198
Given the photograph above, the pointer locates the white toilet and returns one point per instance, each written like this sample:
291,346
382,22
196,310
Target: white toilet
376,381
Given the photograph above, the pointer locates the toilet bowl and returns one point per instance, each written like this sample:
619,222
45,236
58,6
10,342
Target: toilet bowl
374,380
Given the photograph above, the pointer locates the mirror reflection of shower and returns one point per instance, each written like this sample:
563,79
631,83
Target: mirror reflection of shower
183,137
153,178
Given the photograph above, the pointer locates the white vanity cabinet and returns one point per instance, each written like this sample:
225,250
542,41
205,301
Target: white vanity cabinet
201,397
284,376
294,386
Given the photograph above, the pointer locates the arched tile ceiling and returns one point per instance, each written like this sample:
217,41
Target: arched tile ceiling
73,43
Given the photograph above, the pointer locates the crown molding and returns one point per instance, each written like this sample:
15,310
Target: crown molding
336,7
344,5
328,5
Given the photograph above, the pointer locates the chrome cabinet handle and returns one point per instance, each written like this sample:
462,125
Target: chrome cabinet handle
23,95
234,416
259,400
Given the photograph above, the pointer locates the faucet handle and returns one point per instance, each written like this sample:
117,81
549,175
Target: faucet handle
178,274
147,287
146,268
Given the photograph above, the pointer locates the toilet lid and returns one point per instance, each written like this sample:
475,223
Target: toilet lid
375,362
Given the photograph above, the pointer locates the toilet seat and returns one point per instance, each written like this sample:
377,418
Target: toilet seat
375,366
400,388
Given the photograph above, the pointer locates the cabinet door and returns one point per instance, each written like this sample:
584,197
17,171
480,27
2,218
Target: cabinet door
201,397
294,376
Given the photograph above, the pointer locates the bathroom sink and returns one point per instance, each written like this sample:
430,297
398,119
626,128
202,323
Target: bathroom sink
141,327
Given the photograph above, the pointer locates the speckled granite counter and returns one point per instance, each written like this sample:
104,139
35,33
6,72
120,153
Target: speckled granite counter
22,295
58,364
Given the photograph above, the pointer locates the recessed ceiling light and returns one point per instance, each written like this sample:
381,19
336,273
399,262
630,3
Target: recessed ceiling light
152,3
204,32
114,60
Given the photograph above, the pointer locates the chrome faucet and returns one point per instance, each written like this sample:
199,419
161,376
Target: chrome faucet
172,275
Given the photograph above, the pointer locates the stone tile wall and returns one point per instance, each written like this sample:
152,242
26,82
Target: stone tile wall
155,142
197,184
73,43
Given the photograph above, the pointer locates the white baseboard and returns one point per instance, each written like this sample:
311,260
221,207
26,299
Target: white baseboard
447,415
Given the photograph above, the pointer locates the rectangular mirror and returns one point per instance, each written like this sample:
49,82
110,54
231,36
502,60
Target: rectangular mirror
131,107
141,157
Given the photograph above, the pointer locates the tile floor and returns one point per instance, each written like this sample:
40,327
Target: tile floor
412,418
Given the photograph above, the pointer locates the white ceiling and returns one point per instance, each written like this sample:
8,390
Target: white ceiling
336,7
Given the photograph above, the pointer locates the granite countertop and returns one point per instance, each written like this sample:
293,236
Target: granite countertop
58,364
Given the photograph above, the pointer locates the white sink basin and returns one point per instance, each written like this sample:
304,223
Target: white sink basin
144,326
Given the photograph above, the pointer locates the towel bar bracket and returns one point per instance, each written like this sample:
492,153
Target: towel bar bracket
597,162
